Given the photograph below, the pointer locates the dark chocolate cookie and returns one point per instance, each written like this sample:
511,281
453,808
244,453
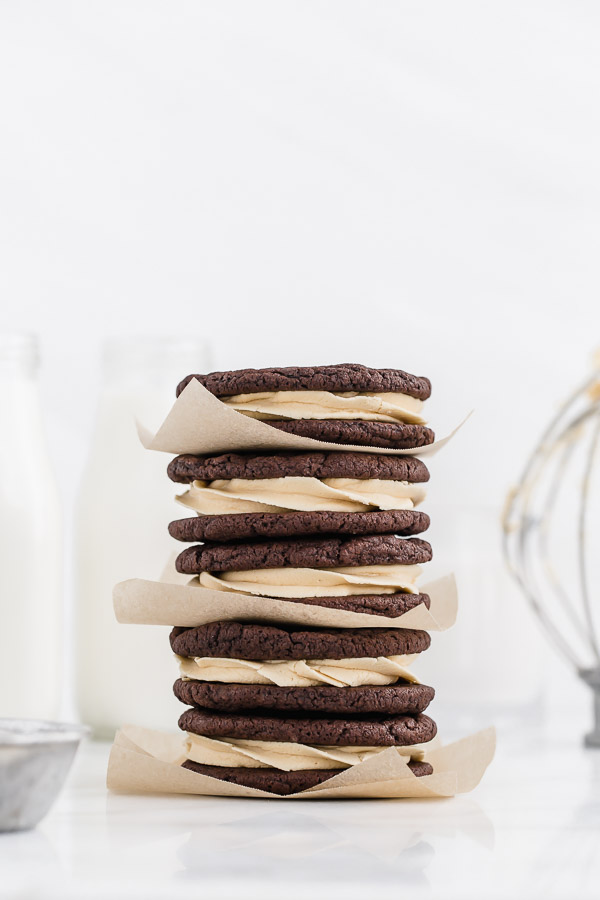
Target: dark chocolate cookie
329,464
245,640
394,699
388,435
391,605
374,731
338,378
304,553
283,783
249,526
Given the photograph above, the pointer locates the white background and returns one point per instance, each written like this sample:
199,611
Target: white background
396,183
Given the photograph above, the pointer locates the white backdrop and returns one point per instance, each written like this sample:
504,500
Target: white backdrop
398,183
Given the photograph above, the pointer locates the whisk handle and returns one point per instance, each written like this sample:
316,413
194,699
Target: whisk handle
592,679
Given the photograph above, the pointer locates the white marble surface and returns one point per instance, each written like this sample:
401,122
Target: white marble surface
532,829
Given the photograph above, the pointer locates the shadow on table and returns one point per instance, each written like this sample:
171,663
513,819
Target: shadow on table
338,842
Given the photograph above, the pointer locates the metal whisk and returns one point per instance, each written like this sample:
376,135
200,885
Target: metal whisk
551,535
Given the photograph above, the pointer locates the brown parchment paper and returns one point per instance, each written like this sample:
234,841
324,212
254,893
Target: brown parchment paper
139,602
146,761
199,423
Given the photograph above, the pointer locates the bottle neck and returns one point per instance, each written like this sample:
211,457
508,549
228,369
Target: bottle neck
20,406
19,357
150,363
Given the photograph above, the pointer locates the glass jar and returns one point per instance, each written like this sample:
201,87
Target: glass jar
125,673
31,568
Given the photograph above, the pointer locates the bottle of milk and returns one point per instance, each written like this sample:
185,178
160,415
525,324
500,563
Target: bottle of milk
30,543
125,673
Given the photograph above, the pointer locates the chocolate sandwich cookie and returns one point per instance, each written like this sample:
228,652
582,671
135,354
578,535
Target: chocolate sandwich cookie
337,379
387,435
330,464
283,783
249,526
323,730
245,640
305,553
389,699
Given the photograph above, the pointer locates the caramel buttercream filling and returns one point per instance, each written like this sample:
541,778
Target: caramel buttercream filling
370,407
282,755
341,673
280,495
296,583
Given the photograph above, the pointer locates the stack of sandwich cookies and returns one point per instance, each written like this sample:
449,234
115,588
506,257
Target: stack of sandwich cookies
365,498
284,709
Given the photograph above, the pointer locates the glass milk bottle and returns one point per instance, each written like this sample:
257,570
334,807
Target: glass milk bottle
30,543
125,673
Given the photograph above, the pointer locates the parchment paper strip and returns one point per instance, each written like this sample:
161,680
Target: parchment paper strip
145,761
138,602
199,423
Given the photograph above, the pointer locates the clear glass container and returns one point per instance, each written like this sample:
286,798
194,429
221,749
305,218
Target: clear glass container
125,673
31,568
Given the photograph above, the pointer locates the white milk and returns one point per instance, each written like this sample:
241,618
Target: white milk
30,543
125,673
